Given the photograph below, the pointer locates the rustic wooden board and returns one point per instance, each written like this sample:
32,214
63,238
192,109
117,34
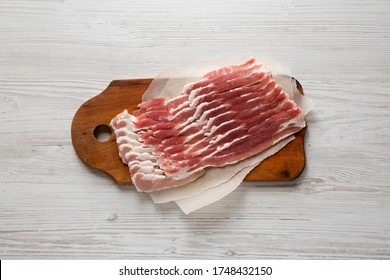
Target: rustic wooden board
287,164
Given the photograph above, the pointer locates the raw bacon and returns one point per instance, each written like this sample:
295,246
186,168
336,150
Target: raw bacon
231,114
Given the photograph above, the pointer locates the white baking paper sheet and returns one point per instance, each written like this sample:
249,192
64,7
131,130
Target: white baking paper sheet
216,183
211,195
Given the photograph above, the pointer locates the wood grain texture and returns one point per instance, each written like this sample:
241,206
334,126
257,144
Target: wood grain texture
54,55
287,164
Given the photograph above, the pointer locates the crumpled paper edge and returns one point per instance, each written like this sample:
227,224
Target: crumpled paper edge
211,195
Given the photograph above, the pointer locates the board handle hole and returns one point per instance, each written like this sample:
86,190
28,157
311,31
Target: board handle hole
102,133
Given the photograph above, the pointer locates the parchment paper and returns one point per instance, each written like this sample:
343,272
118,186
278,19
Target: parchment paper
216,183
211,195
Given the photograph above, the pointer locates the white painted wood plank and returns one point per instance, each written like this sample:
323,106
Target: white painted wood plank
54,55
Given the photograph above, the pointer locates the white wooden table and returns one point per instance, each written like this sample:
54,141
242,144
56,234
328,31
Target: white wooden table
54,55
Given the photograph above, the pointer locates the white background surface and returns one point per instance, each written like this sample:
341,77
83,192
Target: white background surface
55,55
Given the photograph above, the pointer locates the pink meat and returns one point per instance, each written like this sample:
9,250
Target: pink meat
231,114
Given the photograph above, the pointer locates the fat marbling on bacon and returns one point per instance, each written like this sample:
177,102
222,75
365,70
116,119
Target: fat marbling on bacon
229,115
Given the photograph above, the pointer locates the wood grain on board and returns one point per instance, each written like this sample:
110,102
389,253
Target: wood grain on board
97,112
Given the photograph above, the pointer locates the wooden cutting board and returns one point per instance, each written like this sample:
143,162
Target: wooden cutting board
95,115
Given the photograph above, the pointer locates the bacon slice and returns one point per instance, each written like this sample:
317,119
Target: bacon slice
231,114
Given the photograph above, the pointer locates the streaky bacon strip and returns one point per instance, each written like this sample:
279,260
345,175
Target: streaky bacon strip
229,69
231,114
